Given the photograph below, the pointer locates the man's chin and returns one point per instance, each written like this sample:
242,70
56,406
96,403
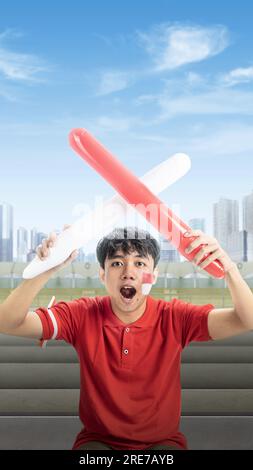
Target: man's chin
128,304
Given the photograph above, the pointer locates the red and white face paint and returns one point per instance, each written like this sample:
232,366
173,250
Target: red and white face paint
148,280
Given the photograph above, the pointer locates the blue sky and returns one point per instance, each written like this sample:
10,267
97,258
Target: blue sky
148,79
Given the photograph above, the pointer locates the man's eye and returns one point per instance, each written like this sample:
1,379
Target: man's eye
115,262
140,262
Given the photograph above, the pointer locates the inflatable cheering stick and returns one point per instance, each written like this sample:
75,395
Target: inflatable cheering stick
138,195
104,217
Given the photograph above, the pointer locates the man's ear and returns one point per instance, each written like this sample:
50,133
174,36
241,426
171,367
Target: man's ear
102,274
155,273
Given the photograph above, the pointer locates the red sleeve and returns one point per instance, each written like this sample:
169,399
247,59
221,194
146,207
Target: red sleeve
63,320
191,321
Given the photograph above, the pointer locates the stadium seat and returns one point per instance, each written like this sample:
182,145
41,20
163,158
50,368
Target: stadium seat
39,394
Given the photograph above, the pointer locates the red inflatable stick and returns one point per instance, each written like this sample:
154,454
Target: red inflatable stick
138,195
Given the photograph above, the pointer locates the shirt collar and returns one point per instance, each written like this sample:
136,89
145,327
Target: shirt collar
146,320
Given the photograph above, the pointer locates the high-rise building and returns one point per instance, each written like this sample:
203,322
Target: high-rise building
168,252
247,216
81,256
225,220
22,244
237,246
35,240
33,243
6,232
197,224
249,246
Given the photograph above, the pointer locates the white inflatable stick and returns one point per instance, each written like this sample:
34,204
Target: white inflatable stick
104,219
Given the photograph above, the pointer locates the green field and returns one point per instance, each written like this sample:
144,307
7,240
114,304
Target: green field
218,297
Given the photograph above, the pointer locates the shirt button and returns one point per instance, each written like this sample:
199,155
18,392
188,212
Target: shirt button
125,351
127,330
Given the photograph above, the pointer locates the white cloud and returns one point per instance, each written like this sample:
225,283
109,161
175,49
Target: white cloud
172,46
143,99
112,124
223,139
231,139
239,75
103,38
216,101
7,95
194,79
113,81
10,33
61,126
17,66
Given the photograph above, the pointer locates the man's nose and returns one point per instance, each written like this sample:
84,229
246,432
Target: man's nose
129,272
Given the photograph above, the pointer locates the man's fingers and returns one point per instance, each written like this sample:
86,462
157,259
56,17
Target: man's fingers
38,251
71,258
201,240
41,252
73,255
43,249
51,239
44,243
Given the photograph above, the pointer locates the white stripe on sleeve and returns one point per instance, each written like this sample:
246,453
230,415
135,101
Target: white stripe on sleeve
44,341
54,323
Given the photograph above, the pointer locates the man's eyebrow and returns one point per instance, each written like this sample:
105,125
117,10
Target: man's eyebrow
122,257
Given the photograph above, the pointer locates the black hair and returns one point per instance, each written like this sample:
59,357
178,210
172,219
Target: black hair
127,239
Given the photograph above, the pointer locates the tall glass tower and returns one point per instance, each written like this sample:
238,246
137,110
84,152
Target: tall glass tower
6,232
225,219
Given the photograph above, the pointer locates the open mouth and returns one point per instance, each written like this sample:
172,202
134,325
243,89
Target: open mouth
128,292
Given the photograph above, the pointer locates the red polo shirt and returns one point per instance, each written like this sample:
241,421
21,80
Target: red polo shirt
130,391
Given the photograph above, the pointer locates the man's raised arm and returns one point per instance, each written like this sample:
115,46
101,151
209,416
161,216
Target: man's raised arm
15,318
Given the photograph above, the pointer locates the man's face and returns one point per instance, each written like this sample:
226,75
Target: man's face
122,278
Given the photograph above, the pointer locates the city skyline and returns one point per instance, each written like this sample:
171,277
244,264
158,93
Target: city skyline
237,240
177,79
78,211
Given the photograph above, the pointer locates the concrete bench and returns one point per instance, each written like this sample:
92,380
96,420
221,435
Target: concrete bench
59,432
39,394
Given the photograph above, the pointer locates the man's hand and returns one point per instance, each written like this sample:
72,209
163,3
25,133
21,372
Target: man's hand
211,247
43,250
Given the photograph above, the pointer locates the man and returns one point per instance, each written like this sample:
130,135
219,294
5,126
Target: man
129,345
